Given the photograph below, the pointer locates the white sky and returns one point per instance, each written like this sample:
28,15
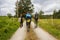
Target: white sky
8,6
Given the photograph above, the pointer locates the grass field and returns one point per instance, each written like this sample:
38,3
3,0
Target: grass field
52,26
7,27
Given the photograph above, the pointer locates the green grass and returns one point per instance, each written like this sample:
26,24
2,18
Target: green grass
8,27
52,26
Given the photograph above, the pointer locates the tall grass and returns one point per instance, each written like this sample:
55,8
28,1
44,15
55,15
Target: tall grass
7,27
52,26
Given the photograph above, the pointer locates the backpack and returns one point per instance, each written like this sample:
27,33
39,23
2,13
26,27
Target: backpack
28,15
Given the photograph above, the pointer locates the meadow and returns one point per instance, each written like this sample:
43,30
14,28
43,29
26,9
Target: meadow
7,27
51,25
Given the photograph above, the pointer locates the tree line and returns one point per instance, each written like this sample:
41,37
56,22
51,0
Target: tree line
24,6
55,15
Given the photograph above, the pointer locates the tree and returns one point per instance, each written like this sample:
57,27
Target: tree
56,14
9,15
40,14
24,6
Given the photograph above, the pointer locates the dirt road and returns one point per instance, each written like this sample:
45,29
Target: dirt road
20,33
41,34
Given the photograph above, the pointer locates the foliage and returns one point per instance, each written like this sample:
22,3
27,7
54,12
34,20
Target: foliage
52,26
8,27
40,14
23,7
9,15
56,14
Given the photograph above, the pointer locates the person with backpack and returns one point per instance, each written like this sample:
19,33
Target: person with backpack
36,19
21,20
28,20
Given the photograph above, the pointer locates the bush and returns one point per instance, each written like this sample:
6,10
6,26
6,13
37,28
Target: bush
9,15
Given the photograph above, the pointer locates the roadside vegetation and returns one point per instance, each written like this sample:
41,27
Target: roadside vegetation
7,27
52,26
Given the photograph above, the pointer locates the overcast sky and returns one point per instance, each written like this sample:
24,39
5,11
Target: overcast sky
8,6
